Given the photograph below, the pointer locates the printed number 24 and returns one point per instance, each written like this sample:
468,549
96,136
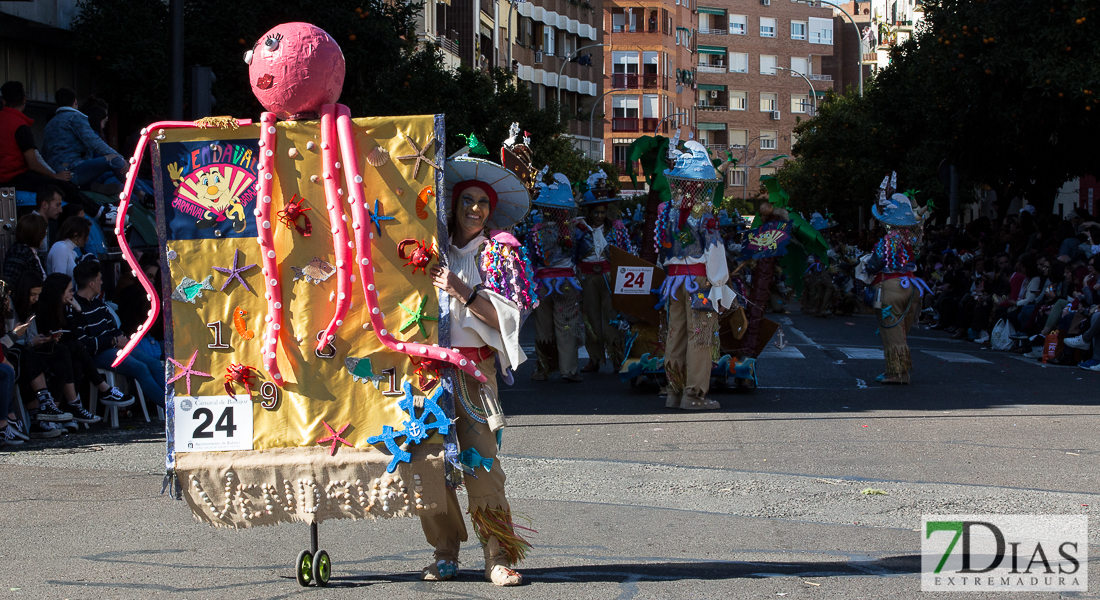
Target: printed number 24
225,423
634,279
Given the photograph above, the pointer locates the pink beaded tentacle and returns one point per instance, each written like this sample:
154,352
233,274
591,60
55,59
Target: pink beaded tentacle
273,287
127,252
363,235
341,246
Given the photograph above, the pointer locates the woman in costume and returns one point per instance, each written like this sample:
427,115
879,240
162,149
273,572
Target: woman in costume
488,280
896,290
691,250
596,233
559,322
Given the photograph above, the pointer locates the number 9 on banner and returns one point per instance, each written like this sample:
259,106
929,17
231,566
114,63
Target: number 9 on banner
269,395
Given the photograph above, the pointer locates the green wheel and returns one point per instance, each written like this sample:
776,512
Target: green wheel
322,568
304,569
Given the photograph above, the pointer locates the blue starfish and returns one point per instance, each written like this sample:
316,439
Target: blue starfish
415,429
377,217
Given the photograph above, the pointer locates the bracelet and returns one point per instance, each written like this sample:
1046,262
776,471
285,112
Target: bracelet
470,300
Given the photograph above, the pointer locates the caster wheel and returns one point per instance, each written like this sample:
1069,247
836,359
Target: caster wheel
303,570
322,568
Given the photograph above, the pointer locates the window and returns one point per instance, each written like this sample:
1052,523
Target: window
650,106
738,100
800,103
821,31
767,171
736,177
737,24
767,64
624,62
768,141
739,138
569,44
548,39
800,65
619,152
768,101
625,107
739,62
767,27
798,30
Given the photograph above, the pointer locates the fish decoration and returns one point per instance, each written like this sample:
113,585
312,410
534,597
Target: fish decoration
242,327
362,369
315,271
190,290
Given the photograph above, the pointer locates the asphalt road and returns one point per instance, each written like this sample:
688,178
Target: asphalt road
630,500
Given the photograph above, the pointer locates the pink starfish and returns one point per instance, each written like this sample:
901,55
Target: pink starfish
186,371
334,437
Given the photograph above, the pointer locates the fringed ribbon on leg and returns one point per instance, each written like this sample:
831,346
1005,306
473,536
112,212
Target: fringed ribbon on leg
497,523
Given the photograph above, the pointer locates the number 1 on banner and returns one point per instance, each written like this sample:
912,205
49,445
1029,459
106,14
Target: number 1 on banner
633,280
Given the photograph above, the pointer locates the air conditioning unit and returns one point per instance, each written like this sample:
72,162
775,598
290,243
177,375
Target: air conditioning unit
775,115
538,58
714,93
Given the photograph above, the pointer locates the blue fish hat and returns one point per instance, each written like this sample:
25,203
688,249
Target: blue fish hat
694,164
897,210
819,222
556,195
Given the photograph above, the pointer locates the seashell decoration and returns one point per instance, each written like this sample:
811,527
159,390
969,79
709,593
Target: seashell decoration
378,156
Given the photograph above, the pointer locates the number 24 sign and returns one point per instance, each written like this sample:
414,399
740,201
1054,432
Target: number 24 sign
213,423
633,280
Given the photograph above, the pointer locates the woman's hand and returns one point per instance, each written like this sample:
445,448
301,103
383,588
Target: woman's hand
41,339
76,305
444,279
121,341
21,329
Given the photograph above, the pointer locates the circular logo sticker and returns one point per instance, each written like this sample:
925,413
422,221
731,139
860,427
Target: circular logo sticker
185,405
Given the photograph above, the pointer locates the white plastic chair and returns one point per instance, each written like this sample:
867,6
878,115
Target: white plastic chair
111,413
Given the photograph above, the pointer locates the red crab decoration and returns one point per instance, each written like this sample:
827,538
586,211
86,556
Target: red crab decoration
427,372
238,373
292,212
420,257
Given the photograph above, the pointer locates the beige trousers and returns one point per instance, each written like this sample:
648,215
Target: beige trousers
894,329
600,335
559,322
689,351
489,508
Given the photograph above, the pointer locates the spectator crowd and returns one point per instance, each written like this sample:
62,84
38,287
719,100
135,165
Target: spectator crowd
61,331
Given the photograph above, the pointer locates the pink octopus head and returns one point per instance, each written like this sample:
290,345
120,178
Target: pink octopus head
295,68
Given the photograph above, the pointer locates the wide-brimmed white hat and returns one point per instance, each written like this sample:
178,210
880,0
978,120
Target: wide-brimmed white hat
513,200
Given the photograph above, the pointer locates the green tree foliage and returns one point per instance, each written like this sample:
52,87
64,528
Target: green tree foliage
386,72
1004,89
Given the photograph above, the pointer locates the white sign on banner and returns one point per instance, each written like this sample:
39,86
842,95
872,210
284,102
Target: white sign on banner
633,280
213,423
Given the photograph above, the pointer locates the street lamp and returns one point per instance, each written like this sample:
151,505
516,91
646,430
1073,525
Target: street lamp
592,115
813,93
859,39
658,129
569,57
511,6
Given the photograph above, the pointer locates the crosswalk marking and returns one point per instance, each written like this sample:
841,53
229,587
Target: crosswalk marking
863,353
787,352
955,357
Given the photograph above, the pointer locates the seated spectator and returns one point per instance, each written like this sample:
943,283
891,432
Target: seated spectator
103,338
70,144
66,251
21,166
24,340
48,204
10,435
22,256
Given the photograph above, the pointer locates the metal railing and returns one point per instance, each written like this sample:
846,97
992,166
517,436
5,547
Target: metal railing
624,124
649,80
714,31
714,107
649,124
624,80
711,69
717,147
819,77
870,57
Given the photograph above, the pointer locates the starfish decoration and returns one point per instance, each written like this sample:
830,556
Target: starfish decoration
418,156
186,372
235,272
334,437
417,317
377,217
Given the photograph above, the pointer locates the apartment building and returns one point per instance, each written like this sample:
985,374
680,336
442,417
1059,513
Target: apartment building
651,75
879,25
474,33
557,55
760,72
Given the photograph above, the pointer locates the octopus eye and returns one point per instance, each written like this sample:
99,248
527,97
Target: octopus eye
271,44
248,57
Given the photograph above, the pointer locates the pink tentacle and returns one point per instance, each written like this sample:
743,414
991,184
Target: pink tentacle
273,288
340,244
120,231
363,235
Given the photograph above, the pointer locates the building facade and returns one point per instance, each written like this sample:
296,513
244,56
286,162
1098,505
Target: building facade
650,73
879,26
760,73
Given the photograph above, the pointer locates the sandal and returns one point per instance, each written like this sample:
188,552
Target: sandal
699,405
503,576
442,570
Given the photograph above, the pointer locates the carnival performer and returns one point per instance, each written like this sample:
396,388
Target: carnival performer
691,250
596,234
896,290
489,281
559,322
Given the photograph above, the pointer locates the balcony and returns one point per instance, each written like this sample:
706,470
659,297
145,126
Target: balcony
717,147
870,58
621,166
711,69
819,77
628,81
649,80
624,124
714,31
712,107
